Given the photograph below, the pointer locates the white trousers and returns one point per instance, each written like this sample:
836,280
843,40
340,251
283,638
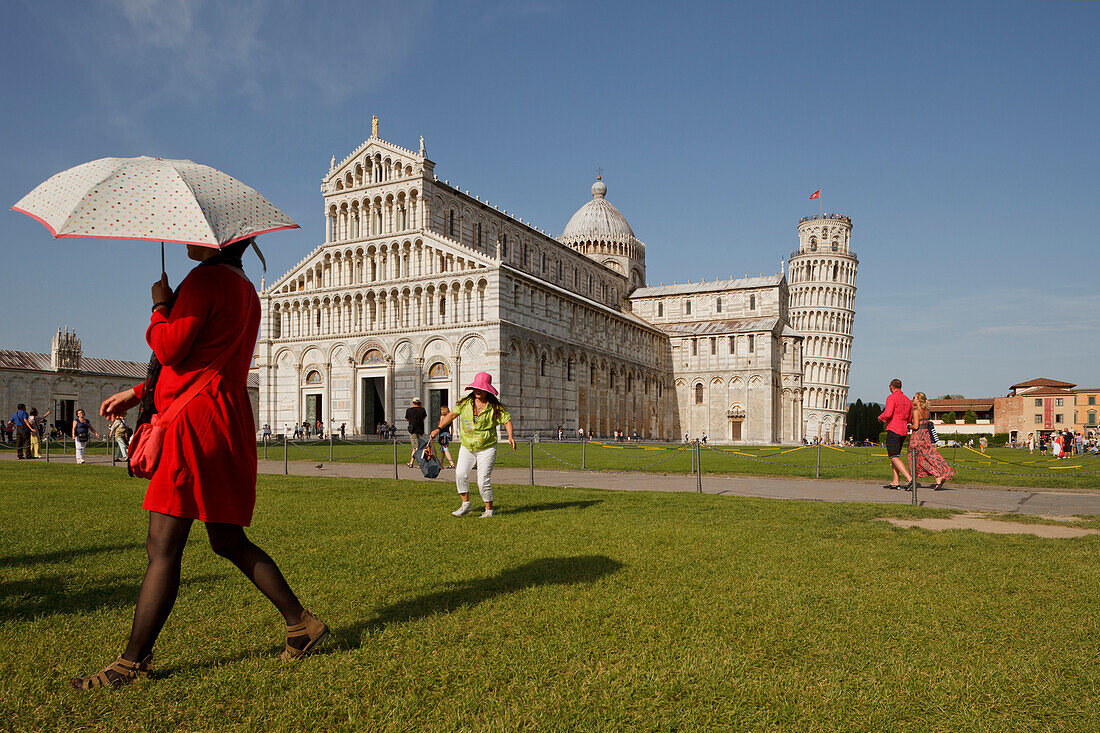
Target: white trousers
484,460
80,446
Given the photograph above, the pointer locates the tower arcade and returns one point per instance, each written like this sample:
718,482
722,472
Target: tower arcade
823,291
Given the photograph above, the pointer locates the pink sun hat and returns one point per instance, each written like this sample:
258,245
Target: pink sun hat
484,382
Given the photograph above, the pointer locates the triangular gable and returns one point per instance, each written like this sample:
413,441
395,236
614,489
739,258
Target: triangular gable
372,145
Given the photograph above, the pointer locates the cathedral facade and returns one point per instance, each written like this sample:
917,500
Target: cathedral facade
420,285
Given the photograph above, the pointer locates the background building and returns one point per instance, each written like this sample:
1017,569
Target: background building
65,380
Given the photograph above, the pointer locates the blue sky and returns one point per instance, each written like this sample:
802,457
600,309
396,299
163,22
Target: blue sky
960,137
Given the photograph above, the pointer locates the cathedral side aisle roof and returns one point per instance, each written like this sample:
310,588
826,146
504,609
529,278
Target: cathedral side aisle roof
715,328
767,281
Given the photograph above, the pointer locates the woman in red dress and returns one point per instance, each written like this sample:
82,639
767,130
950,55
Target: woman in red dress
928,460
207,465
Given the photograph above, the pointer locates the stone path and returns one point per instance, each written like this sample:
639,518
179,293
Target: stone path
1040,502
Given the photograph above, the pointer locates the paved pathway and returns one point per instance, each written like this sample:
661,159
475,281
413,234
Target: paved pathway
1052,502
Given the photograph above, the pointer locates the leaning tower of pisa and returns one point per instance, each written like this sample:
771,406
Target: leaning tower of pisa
822,307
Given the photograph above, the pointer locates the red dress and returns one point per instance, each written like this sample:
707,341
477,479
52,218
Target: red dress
207,467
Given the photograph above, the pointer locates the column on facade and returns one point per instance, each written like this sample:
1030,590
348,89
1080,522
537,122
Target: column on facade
298,409
327,417
390,388
355,406
418,382
456,382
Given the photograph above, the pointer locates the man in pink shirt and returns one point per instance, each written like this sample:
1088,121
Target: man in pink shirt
898,413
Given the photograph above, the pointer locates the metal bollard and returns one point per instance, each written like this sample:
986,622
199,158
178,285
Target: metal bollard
698,469
265,447
584,446
395,457
114,452
330,445
531,460
286,453
913,473
47,449
818,472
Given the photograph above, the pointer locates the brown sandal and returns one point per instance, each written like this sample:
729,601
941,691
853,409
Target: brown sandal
119,673
306,636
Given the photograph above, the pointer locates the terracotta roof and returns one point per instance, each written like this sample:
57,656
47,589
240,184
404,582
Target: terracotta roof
1040,391
978,404
716,328
1043,382
766,281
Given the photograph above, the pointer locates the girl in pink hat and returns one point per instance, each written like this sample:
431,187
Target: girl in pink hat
481,413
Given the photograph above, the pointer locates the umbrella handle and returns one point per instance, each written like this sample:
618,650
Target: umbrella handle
162,270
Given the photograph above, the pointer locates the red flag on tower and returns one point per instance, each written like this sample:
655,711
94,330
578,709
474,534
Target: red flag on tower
816,194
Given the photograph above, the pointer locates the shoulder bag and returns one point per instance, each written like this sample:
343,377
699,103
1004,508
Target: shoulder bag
146,443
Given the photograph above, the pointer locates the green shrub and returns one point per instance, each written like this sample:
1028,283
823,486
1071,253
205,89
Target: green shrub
950,418
970,418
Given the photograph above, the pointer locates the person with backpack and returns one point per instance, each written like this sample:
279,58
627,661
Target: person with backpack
121,434
481,412
82,428
22,431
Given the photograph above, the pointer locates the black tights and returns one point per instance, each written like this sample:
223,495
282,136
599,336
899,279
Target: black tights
165,543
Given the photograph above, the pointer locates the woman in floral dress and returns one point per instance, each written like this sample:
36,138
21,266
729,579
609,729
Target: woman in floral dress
928,461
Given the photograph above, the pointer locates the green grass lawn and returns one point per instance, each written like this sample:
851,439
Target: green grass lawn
1001,467
570,610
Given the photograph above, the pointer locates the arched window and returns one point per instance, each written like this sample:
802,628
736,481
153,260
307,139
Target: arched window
611,379
438,371
752,302
569,370
542,366
718,305
699,394
451,224
660,310
687,307
504,245
479,234
836,268
313,377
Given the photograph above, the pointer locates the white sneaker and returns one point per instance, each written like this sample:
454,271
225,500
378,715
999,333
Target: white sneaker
487,514
462,510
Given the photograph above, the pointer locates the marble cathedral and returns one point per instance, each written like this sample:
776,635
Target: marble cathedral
419,285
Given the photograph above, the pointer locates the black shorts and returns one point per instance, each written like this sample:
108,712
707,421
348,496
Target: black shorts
893,444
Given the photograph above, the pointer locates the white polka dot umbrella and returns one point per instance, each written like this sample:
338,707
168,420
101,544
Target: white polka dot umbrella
152,199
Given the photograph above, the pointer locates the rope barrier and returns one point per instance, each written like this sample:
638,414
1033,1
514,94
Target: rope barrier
658,462
559,460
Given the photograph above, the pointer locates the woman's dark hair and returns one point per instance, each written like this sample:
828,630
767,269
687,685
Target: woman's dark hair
34,411
490,398
230,254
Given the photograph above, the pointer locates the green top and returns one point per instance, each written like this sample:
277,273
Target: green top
479,433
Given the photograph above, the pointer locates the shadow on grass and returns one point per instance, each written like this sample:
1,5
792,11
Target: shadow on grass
25,600
544,572
66,555
553,506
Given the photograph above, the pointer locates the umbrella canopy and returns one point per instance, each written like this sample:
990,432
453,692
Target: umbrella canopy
152,199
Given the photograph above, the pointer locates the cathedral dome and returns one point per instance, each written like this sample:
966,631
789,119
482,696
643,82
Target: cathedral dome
597,221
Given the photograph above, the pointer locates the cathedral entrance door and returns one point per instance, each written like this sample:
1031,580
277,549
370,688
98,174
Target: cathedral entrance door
436,399
735,430
313,409
374,410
